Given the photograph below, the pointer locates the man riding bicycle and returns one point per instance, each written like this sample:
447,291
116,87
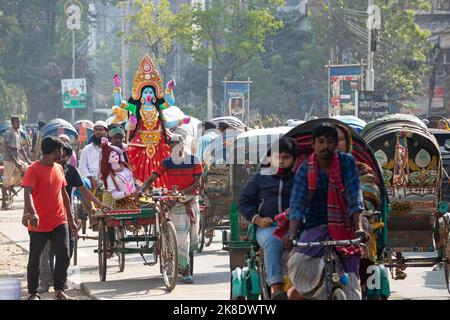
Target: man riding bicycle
326,203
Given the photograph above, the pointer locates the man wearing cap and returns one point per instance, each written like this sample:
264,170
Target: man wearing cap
116,135
90,155
184,171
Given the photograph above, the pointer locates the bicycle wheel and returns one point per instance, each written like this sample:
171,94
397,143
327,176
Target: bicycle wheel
102,249
201,233
75,252
210,235
191,262
121,233
264,288
338,294
169,255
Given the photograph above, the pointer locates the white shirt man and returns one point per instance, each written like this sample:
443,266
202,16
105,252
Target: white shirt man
90,157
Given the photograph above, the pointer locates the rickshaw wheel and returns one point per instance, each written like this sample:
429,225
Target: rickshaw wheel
102,248
191,262
169,255
201,233
338,294
447,274
121,233
75,252
264,288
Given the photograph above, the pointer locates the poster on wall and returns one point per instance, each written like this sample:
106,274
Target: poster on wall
344,82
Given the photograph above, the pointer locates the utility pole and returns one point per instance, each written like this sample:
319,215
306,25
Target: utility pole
124,51
73,67
432,86
370,74
93,46
209,101
73,11
209,113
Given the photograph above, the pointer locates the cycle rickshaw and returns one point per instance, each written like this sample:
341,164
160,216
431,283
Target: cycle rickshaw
158,234
411,164
246,258
215,188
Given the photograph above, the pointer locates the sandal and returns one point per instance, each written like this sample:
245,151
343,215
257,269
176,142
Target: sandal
400,275
188,279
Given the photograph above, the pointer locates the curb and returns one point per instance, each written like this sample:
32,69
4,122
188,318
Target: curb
85,289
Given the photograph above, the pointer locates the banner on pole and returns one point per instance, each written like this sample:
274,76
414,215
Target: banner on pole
237,99
74,93
344,82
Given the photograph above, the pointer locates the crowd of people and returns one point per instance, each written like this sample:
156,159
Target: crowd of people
321,196
325,187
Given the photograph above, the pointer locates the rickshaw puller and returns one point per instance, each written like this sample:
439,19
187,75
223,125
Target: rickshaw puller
183,170
326,202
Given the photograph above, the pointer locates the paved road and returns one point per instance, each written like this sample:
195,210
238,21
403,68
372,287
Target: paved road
211,274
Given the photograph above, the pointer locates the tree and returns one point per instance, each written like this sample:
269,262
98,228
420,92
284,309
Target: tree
341,28
235,31
156,28
36,53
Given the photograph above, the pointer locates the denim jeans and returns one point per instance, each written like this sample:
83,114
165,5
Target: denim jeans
273,251
59,239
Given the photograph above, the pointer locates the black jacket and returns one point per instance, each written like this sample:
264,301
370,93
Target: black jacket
266,195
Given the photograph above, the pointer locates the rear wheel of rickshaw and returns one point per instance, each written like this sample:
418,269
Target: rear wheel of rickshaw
201,233
75,251
209,232
102,249
169,255
264,288
191,262
338,294
120,235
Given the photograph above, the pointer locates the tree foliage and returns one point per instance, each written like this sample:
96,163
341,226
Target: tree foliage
156,28
341,28
231,32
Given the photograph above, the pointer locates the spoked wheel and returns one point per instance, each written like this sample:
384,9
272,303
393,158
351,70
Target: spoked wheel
201,233
120,235
210,235
338,294
102,249
75,251
9,198
191,262
169,255
265,290
447,274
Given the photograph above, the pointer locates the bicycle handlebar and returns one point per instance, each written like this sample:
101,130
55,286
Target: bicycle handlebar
330,243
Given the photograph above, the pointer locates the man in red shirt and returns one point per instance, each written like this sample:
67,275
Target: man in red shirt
184,171
47,202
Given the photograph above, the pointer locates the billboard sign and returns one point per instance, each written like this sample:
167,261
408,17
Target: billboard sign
344,82
74,93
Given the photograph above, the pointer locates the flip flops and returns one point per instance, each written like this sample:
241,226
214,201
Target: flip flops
188,279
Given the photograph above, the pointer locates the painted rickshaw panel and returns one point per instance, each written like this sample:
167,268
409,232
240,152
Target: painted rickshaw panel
412,171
